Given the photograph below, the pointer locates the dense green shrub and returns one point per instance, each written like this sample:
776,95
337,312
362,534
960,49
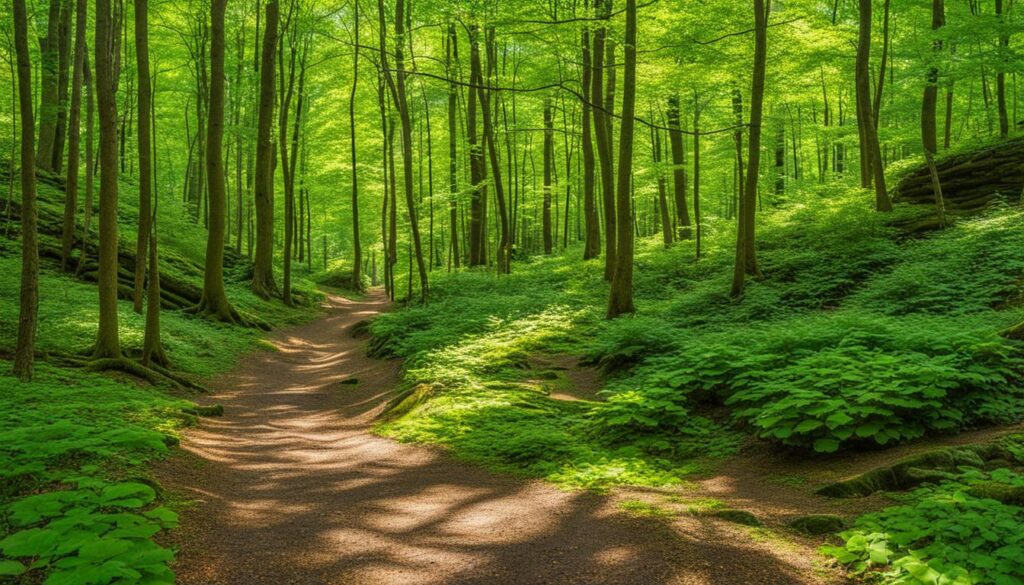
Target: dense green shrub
941,535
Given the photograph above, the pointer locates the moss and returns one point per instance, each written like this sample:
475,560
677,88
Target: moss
641,509
735,516
818,524
1001,492
908,473
408,400
205,410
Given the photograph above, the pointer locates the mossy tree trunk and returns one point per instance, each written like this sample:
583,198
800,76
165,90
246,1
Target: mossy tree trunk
24,353
263,267
357,248
675,137
67,239
49,87
108,344
215,301
145,175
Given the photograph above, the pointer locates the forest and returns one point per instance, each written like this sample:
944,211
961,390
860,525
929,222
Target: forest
630,292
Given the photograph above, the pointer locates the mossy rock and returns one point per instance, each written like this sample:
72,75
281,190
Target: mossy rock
201,410
407,400
908,473
994,490
818,524
735,516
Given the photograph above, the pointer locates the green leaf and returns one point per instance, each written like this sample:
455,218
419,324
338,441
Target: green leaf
11,568
826,445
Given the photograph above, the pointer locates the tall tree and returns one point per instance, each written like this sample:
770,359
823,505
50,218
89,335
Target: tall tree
214,301
549,139
452,55
24,353
620,301
931,89
74,136
1004,48
108,342
145,179
504,259
263,283
357,248
49,87
746,258
602,134
871,152
396,85
592,246
675,136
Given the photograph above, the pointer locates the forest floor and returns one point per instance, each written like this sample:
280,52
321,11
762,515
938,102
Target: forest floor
291,486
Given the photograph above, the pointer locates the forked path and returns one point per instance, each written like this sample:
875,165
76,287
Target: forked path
292,487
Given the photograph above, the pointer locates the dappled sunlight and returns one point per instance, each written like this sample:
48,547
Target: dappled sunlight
291,481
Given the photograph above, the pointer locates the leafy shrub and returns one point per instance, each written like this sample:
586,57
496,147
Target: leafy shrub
942,535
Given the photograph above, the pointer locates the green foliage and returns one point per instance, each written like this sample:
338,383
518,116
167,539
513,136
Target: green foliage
941,535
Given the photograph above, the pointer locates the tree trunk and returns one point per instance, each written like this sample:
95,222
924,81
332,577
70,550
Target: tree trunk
49,87
931,88
74,137
1004,47
675,136
603,138
89,166
504,258
145,178
357,248
108,344
452,52
215,301
263,269
620,301
592,230
63,61
662,202
24,353
876,108
478,198
864,111
549,138
746,259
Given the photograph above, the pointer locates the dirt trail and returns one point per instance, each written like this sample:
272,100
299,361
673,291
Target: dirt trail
291,487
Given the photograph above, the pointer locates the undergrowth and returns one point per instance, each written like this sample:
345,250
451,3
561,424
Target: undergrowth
77,505
858,336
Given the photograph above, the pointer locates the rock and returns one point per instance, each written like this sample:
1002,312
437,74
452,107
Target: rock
735,516
818,524
1002,492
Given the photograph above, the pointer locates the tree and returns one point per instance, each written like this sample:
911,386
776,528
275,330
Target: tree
592,247
74,137
396,85
214,301
620,301
24,352
452,53
549,139
746,257
145,180
871,152
1004,47
357,249
49,87
108,343
263,283
675,136
602,131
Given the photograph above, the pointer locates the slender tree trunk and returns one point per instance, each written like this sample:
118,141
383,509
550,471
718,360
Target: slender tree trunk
263,268
620,301
662,202
549,138
238,142
145,178
49,86
89,166
63,61
675,136
74,137
504,245
865,116
108,344
24,353
214,301
746,259
876,108
1004,48
592,230
603,137
696,174
357,248
452,52
478,198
